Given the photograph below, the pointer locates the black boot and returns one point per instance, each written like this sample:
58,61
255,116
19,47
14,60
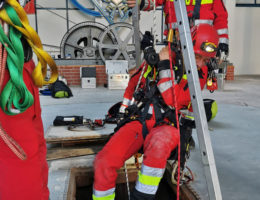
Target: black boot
136,195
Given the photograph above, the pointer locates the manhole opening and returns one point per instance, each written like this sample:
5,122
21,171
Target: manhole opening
81,184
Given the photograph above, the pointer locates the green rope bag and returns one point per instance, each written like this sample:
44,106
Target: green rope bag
15,97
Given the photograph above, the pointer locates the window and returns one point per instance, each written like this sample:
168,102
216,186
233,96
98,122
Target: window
247,3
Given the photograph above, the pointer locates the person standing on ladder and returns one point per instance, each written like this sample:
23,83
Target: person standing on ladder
212,12
149,123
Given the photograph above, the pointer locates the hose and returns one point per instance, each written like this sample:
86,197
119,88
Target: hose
85,10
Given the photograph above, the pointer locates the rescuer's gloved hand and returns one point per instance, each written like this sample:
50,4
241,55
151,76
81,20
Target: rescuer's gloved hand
147,40
223,50
163,65
151,57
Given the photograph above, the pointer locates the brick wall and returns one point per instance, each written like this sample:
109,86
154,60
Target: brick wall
72,74
230,72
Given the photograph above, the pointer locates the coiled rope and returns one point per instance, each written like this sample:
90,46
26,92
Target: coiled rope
10,142
15,97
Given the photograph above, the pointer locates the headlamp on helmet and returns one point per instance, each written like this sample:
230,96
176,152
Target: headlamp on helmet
208,47
205,40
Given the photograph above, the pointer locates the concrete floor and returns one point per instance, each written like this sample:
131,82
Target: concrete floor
234,132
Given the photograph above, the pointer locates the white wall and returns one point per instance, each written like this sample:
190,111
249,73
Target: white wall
244,31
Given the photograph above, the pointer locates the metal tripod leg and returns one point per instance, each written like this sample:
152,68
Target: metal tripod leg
197,103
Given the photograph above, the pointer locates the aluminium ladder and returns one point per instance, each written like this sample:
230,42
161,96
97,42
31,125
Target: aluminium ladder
206,150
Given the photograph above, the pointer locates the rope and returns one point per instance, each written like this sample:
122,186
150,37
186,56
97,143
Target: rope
15,97
176,109
10,142
3,55
127,182
34,41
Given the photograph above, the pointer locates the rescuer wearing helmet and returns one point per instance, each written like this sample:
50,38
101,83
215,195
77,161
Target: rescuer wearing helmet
212,12
149,123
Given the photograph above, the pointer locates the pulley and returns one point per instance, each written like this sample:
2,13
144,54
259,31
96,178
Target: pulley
124,45
81,41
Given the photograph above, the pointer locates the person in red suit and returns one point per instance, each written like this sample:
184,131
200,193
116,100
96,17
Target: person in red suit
23,165
149,125
212,12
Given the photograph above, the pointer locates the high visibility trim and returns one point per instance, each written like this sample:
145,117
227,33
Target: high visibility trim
126,102
205,1
203,21
222,31
165,74
194,2
104,195
189,117
110,197
188,2
165,86
148,180
122,109
172,25
150,111
151,171
223,40
149,69
148,189
214,110
184,77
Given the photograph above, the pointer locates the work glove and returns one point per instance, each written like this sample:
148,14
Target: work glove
147,40
223,50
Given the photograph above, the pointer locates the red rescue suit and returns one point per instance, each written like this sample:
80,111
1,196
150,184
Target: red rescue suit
157,145
24,179
211,11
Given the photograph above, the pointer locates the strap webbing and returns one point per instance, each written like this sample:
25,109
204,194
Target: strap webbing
15,97
196,11
34,41
15,93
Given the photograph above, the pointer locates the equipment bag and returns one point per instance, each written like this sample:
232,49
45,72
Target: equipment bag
60,90
68,120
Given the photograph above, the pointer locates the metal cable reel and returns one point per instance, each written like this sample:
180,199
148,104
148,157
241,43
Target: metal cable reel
124,46
81,41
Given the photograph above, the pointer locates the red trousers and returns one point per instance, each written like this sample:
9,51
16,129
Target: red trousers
24,180
127,141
